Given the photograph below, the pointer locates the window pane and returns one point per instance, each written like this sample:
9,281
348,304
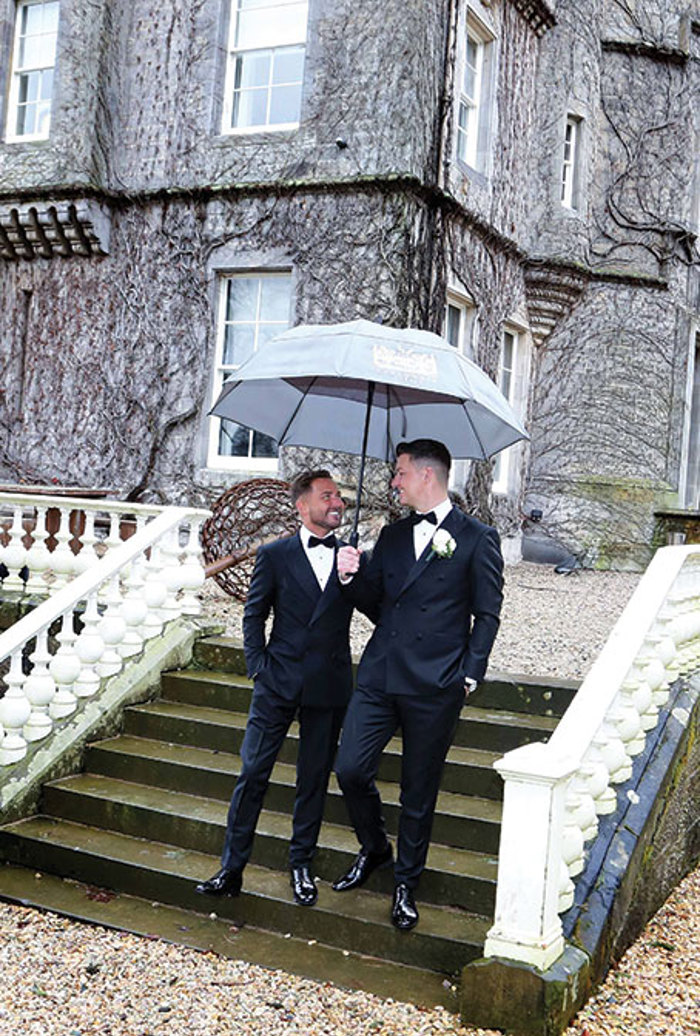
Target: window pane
234,440
242,301
50,20
288,65
271,25
46,91
25,120
43,117
275,299
253,70
264,446
285,104
239,343
249,109
28,87
471,71
454,317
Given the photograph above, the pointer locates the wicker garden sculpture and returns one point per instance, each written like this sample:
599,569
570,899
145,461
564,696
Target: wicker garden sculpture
248,514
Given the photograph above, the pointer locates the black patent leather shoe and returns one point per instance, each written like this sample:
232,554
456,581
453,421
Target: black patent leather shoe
303,886
363,865
404,914
223,883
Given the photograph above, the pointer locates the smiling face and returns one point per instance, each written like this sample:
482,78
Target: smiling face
321,507
410,481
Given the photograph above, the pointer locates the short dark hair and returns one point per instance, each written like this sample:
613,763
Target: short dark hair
429,451
301,483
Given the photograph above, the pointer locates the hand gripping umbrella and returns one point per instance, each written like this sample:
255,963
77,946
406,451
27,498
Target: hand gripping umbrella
362,388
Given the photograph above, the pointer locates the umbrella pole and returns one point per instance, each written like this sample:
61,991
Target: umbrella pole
354,535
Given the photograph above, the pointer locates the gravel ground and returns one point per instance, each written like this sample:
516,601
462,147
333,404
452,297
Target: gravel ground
61,978
552,625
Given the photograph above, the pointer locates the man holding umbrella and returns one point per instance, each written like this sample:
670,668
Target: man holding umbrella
435,579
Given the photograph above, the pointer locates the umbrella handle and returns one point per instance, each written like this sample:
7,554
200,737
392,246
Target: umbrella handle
354,535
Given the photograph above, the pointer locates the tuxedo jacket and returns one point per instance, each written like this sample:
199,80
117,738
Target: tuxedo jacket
306,658
437,616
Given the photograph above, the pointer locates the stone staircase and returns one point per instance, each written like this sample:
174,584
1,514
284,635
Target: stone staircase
145,818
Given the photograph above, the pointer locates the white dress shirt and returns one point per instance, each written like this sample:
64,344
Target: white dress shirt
320,558
423,532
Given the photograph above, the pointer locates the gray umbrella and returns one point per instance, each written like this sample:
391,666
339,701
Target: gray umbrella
362,388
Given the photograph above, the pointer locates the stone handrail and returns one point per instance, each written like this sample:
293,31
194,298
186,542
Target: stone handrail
124,599
554,792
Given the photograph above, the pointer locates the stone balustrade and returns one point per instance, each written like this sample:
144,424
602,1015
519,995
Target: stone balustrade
555,792
100,610
51,539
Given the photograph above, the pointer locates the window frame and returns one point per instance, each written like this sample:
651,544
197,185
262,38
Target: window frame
235,52
473,142
503,470
464,304
214,460
16,72
569,173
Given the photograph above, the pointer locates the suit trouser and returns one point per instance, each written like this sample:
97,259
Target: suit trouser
269,720
428,727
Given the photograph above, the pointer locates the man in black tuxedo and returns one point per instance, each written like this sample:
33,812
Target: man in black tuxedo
436,578
303,670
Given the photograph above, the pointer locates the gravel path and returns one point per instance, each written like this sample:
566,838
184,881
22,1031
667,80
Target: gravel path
61,978
551,625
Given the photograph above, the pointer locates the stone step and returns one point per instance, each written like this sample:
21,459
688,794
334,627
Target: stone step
453,876
466,822
467,770
298,956
493,729
515,693
445,940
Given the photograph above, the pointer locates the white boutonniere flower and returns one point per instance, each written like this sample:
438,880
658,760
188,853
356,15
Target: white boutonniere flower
443,544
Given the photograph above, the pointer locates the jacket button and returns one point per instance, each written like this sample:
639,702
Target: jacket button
394,633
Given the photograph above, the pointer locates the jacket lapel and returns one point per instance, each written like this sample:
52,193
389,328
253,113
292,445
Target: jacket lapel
301,570
451,525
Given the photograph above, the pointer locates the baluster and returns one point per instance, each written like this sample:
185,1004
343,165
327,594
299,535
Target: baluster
15,553
112,629
40,689
113,538
666,647
636,686
133,610
155,593
86,557
596,775
38,556
192,572
65,669
89,648
579,802
572,843
15,710
654,672
171,573
63,558
612,752
627,722
567,889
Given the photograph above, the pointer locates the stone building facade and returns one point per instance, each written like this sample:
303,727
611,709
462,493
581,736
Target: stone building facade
181,179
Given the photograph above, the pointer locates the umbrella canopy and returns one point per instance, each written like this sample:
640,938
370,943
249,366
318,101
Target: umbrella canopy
322,384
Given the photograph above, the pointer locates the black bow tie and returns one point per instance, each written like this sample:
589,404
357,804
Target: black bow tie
327,541
429,517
